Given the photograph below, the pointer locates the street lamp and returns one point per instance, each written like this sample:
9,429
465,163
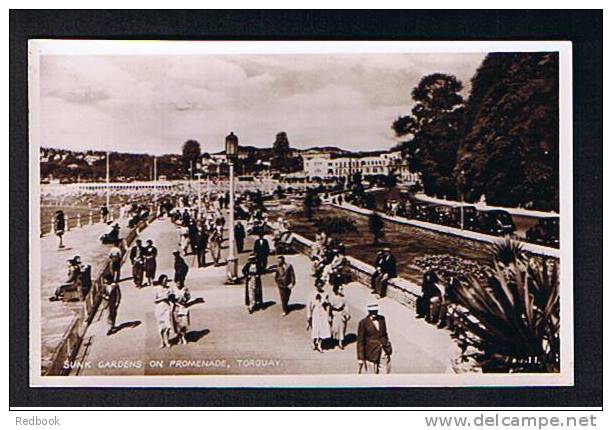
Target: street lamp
231,152
199,177
461,185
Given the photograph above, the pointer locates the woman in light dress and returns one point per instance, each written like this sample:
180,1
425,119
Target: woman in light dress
339,315
164,305
318,314
181,312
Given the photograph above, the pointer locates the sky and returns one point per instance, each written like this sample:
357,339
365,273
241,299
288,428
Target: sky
153,104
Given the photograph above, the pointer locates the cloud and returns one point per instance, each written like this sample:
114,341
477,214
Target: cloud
154,103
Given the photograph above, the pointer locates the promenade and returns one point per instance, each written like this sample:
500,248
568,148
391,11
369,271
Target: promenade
226,339
56,316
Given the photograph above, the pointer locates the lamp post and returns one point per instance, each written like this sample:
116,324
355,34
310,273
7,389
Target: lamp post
461,180
231,151
199,176
108,180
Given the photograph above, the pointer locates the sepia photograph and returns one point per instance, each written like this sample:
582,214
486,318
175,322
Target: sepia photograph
300,214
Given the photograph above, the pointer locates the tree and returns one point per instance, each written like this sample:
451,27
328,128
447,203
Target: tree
510,149
434,129
376,225
191,155
280,160
311,200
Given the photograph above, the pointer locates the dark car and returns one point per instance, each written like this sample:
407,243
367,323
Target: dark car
470,215
440,214
545,232
420,211
497,222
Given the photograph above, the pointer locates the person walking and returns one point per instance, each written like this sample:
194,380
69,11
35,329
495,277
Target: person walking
215,246
339,315
202,245
114,258
150,261
112,297
58,225
137,260
253,294
261,249
285,281
104,214
163,310
239,235
318,316
181,316
373,345
180,269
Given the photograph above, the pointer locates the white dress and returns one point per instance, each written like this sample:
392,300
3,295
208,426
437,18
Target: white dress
163,308
318,313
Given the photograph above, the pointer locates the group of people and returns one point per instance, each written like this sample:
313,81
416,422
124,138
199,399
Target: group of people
144,263
385,268
78,279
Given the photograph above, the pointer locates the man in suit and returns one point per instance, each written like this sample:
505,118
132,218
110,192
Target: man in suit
239,235
202,245
261,249
137,261
180,269
373,345
285,281
386,268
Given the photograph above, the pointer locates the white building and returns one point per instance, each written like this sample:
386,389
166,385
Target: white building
325,166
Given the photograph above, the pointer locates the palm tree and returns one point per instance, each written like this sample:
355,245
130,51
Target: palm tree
513,319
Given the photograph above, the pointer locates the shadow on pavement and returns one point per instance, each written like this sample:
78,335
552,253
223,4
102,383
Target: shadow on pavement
196,335
129,324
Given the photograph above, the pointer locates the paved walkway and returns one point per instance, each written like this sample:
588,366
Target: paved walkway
56,316
226,339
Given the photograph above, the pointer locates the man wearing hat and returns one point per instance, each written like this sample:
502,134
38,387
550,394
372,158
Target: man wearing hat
180,269
373,345
74,273
386,268
137,261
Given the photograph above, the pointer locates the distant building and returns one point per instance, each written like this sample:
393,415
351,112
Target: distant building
326,165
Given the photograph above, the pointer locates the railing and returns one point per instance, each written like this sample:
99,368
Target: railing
399,289
73,336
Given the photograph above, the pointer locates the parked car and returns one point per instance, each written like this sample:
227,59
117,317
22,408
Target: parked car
420,211
440,214
470,215
497,222
545,232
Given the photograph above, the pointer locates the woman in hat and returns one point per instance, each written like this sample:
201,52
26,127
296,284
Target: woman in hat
181,314
318,314
164,305
150,261
253,295
339,315
59,225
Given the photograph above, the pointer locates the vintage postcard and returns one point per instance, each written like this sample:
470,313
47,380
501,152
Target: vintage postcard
300,214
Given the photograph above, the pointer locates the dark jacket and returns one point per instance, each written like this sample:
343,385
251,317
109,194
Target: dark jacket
239,232
136,252
371,341
261,247
285,278
388,265
180,269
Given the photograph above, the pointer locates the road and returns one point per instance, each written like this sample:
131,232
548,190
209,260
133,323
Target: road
226,339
